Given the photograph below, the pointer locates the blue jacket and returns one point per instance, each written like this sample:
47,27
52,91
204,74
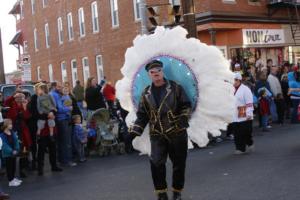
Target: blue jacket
78,133
293,84
7,148
260,84
63,112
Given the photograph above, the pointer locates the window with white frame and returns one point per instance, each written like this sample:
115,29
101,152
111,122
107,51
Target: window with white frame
74,72
64,75
60,31
21,9
175,2
38,73
33,7
95,18
47,35
70,26
81,22
35,37
45,3
99,65
137,12
229,1
50,70
86,68
114,12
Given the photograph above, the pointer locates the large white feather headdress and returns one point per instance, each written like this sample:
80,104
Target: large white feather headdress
215,104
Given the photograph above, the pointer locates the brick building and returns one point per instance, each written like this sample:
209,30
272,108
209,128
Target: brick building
69,40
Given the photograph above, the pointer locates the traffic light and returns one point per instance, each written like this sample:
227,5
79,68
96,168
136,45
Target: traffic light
174,14
153,12
164,15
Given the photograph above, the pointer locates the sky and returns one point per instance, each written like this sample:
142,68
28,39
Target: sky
8,30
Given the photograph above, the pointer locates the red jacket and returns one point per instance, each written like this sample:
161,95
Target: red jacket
109,92
264,107
16,112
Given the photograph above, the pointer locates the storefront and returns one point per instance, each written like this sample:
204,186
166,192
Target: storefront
249,44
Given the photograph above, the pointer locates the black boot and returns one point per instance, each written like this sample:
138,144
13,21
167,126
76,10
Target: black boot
177,196
40,172
163,196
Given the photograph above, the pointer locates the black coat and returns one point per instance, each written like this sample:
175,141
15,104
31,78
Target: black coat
168,118
94,98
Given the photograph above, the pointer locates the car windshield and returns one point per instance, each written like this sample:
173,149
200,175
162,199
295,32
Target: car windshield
8,91
29,88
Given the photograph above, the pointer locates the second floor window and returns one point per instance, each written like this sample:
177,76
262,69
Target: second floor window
114,12
95,18
21,9
81,22
60,31
47,35
136,6
35,36
70,26
33,7
45,3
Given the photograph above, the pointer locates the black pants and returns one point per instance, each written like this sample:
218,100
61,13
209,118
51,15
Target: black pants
280,107
43,143
10,163
176,148
243,135
229,130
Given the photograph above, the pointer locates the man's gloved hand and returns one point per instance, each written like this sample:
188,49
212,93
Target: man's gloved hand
183,122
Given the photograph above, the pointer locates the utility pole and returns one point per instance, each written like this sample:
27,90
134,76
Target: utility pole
189,17
2,75
144,20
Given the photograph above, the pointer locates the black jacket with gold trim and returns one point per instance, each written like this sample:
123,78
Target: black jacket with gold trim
170,117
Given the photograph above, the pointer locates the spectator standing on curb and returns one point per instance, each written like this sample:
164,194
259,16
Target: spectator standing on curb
93,96
78,93
10,150
277,93
64,129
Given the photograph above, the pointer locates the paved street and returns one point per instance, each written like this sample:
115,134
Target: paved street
214,173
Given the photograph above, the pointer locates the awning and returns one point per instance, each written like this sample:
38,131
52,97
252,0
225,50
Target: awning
16,9
17,39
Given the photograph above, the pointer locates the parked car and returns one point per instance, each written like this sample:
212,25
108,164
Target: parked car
7,90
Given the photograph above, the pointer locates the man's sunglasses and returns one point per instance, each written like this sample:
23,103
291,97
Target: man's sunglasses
155,70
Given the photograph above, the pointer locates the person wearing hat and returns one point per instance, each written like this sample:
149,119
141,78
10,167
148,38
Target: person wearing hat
243,116
165,106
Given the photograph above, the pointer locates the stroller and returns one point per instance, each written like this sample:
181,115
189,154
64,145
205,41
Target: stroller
107,130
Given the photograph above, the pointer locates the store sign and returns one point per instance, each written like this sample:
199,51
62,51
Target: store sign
263,36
